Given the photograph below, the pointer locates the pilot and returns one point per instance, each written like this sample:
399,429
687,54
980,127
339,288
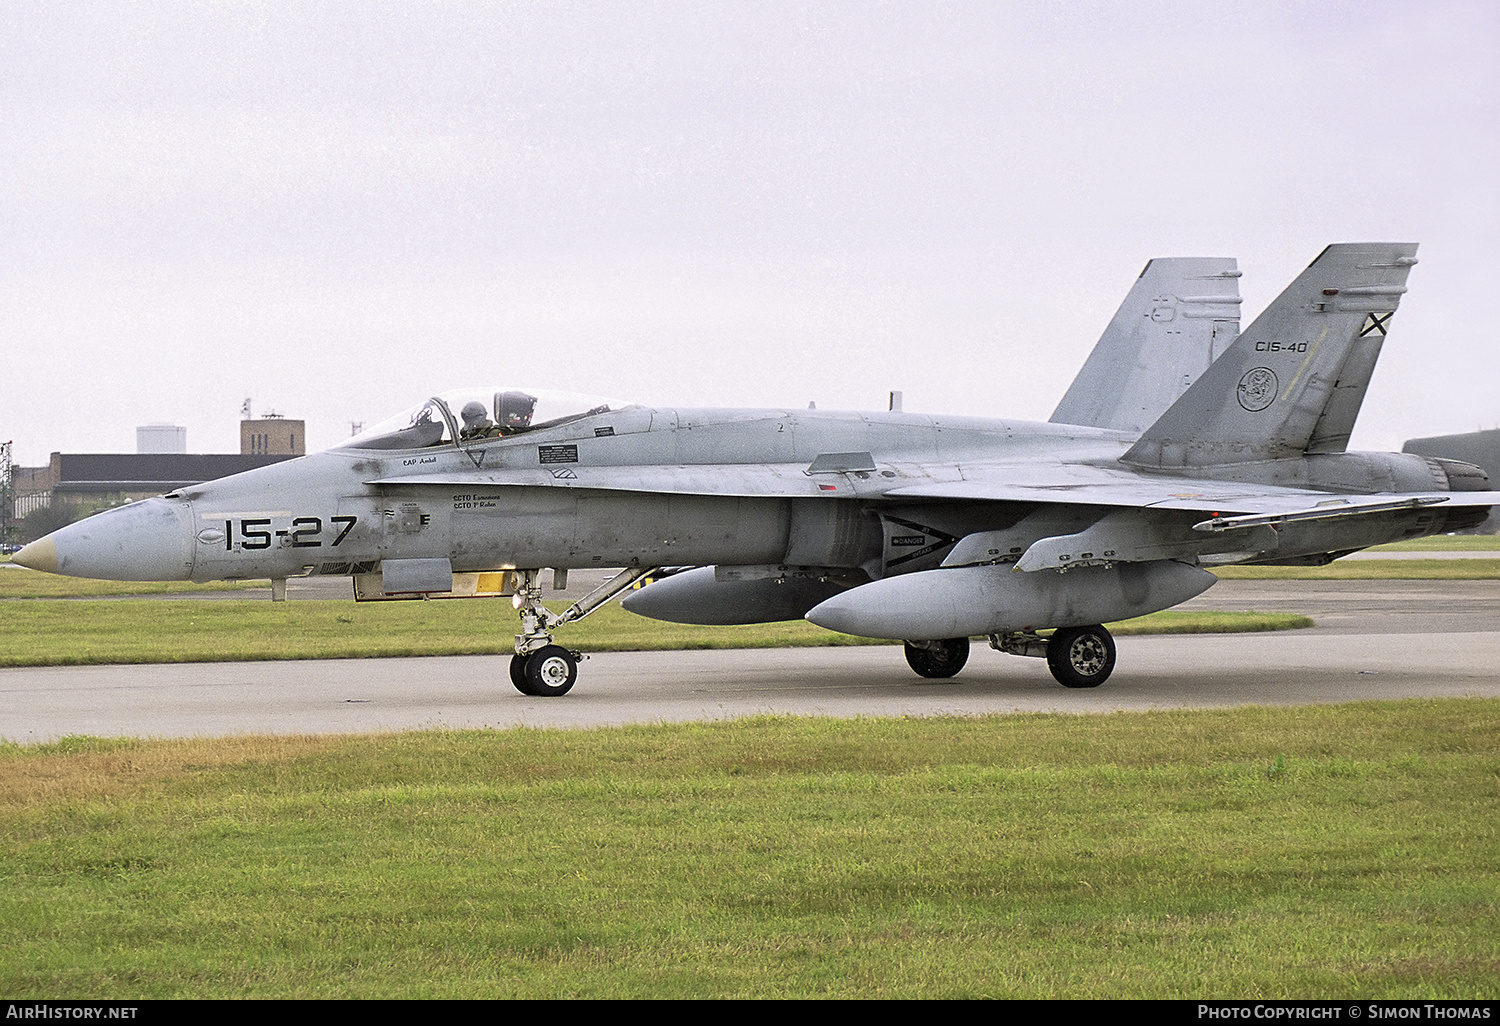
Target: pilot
515,409
476,420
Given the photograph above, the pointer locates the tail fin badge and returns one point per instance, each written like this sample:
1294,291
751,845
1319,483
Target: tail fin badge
1257,389
1375,324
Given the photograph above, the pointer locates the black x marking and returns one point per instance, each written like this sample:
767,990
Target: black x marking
1375,323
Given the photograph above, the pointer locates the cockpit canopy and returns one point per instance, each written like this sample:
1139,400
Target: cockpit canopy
470,415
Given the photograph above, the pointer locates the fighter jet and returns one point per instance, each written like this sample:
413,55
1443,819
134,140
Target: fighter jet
1182,445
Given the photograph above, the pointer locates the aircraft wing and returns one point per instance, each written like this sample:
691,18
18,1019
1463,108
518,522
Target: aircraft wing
1127,532
1251,505
1234,504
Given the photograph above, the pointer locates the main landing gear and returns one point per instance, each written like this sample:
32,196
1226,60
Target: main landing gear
1079,657
938,658
539,667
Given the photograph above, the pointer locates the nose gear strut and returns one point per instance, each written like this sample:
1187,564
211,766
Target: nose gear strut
540,667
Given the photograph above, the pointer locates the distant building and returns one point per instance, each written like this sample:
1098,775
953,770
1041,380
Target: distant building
95,480
273,435
161,438
1481,448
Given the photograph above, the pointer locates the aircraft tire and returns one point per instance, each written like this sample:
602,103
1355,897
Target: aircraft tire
1081,657
550,671
518,674
943,659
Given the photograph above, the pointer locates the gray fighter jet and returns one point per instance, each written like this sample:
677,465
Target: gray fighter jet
1181,445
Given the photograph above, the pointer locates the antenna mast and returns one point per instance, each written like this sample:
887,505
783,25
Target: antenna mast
7,493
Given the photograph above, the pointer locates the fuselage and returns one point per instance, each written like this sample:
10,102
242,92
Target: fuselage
685,487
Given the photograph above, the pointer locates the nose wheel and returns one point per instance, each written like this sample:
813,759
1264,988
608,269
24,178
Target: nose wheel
539,667
547,672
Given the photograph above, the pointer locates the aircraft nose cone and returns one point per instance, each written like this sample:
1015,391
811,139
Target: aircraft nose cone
39,555
144,541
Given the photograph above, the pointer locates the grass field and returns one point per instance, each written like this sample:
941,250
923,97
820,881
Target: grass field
22,583
1395,569
71,632
1445,543
1370,570
1349,852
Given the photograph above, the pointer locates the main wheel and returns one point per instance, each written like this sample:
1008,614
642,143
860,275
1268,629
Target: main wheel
938,658
550,671
1081,657
518,674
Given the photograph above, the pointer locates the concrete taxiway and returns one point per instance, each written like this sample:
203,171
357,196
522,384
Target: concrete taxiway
1375,639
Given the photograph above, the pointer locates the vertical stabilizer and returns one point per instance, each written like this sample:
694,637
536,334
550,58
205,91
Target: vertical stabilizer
1294,380
1180,314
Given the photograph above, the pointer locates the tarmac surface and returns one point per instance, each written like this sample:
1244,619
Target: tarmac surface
1374,640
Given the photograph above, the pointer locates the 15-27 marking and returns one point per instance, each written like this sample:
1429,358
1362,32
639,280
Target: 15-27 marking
305,532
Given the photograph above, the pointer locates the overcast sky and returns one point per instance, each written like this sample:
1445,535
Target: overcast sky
337,209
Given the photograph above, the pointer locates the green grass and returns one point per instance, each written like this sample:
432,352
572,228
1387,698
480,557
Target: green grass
1444,543
70,632
1370,570
1330,852
1394,569
25,583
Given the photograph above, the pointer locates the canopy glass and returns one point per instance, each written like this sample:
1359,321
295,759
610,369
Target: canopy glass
472,415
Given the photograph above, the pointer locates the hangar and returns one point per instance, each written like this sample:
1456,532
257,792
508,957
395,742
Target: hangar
74,484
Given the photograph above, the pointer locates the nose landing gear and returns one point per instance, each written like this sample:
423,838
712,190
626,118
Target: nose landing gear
539,667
